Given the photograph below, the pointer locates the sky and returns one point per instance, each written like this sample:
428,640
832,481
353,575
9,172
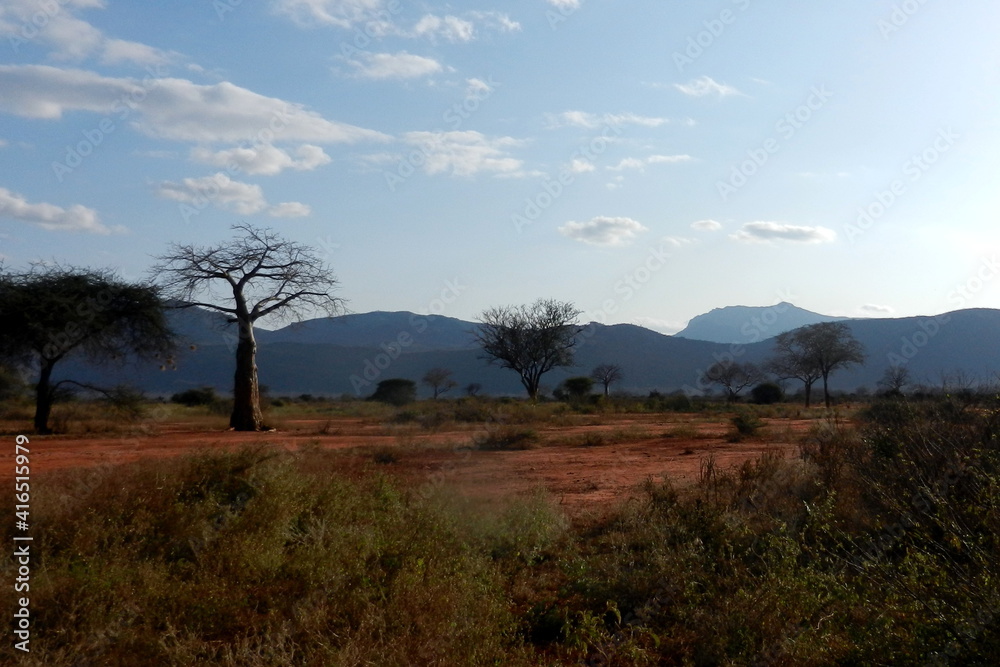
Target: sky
646,161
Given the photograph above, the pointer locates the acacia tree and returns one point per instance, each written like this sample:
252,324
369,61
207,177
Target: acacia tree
439,380
530,340
261,274
51,313
607,374
817,351
732,376
793,361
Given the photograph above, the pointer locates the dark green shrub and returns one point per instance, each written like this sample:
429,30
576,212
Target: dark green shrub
746,424
767,393
194,397
395,391
504,437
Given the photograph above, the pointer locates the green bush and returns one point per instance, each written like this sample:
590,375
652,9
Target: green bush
395,391
195,397
767,393
746,424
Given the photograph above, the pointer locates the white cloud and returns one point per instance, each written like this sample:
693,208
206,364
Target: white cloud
448,27
377,17
565,4
706,85
465,153
640,163
170,108
677,241
228,195
289,209
477,88
757,232
876,309
263,159
118,51
76,218
496,20
400,65
581,166
592,121
706,226
603,231
54,24
339,13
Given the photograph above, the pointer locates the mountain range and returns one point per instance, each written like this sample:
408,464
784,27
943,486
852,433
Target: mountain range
352,353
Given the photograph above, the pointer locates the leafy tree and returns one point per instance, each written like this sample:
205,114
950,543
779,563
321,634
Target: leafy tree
395,391
793,361
439,380
261,274
52,313
815,352
472,389
607,374
530,340
767,393
577,388
733,377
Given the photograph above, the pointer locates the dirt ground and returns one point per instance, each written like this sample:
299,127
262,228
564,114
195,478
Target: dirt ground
585,467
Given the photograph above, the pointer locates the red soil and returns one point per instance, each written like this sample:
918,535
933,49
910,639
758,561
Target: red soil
583,477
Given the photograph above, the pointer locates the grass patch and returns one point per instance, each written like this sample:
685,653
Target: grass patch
506,438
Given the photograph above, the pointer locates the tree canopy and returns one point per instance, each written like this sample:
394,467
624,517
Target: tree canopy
531,339
52,312
815,352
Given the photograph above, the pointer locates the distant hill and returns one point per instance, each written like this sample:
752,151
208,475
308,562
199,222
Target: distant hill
331,358
750,324
424,332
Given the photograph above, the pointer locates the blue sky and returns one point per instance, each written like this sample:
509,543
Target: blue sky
647,162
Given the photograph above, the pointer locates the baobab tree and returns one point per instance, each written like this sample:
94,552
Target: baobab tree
52,313
530,340
607,374
260,274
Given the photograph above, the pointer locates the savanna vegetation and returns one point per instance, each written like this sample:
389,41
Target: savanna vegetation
877,544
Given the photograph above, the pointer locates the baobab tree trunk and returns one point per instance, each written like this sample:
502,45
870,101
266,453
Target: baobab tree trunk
43,399
246,392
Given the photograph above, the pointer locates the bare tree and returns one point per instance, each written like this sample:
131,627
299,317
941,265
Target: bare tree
530,340
815,352
260,274
894,379
52,313
439,380
607,374
733,376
